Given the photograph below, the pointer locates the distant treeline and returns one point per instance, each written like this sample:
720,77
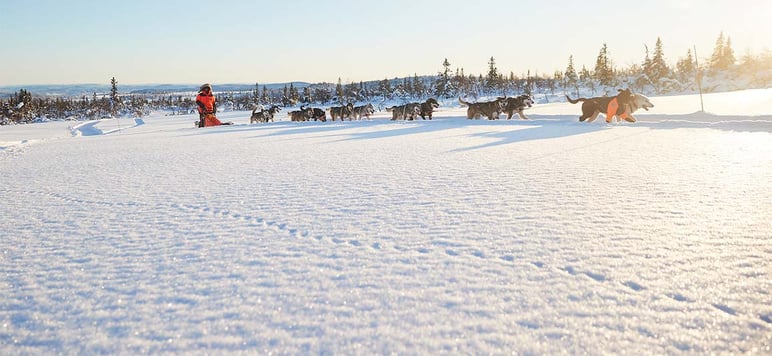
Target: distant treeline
722,71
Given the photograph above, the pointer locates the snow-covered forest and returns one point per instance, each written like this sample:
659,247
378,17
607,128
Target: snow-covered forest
722,71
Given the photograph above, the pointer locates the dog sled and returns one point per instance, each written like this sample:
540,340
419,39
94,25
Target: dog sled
211,120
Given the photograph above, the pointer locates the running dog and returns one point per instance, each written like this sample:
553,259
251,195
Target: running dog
319,115
427,108
341,112
517,105
304,114
491,109
263,115
618,105
404,112
363,110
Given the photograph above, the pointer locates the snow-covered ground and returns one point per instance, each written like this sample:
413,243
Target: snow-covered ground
424,237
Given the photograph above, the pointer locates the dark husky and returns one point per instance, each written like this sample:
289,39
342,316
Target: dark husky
517,105
491,109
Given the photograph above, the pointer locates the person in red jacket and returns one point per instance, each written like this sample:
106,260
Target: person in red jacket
207,107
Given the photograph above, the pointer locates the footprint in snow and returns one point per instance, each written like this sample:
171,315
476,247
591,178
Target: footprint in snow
634,286
595,276
679,297
766,318
725,309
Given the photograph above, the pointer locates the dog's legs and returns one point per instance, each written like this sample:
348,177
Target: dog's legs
522,115
593,116
627,115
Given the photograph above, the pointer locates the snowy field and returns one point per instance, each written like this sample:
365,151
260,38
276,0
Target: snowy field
373,237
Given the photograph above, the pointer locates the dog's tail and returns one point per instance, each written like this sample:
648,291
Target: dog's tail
462,102
574,101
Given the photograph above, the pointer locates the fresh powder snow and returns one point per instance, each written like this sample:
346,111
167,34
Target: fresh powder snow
540,236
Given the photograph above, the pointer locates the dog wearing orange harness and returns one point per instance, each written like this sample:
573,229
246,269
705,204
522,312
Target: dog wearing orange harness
613,106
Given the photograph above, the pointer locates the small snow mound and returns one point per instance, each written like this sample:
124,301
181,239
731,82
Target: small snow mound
86,129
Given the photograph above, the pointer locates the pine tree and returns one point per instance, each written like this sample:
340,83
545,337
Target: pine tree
265,98
557,78
407,84
256,95
646,62
363,90
442,86
339,91
460,82
717,59
418,85
727,56
603,69
685,66
492,79
585,79
113,96
571,78
528,89
658,68
294,96
385,88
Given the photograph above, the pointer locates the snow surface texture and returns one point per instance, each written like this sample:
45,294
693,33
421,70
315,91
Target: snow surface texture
424,237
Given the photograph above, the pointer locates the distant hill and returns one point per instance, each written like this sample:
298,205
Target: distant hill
71,90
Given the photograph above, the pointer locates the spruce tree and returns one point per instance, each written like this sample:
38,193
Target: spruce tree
294,96
585,79
418,85
385,88
659,69
265,98
727,57
557,78
685,66
603,68
646,62
113,96
492,79
339,91
716,60
442,86
571,78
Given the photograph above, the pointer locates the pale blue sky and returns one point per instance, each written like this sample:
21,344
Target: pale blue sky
191,41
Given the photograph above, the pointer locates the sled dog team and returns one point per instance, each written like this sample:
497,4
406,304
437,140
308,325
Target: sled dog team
621,106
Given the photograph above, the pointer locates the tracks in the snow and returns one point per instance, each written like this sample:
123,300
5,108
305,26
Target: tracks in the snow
286,228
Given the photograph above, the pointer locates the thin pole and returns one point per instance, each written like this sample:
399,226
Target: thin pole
699,79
